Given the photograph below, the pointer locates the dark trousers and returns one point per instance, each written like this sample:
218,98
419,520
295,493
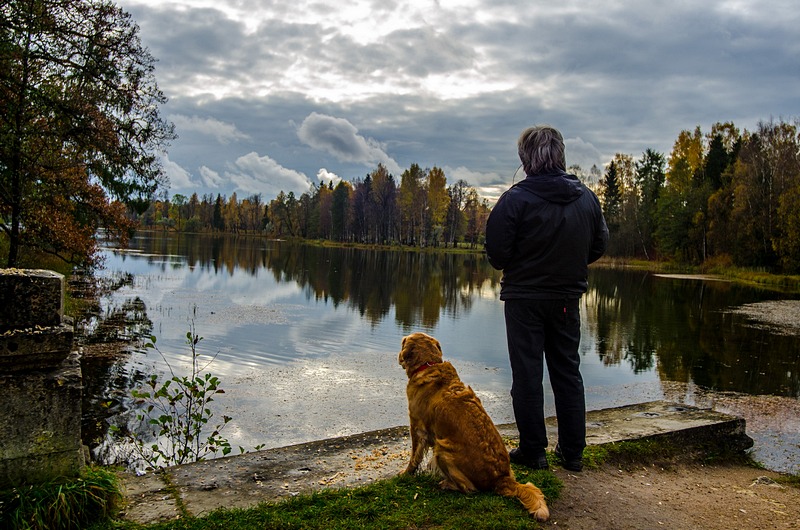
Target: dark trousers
549,330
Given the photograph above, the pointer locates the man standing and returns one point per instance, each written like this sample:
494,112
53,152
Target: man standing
543,233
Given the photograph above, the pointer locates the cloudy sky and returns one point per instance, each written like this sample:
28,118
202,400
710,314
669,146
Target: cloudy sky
271,95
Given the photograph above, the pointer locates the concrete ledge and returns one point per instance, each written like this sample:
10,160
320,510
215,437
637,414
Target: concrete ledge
40,375
39,348
693,428
31,297
245,480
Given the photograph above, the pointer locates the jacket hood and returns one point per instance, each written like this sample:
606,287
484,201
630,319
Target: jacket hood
560,188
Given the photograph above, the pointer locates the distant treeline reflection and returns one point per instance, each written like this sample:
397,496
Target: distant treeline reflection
686,332
419,285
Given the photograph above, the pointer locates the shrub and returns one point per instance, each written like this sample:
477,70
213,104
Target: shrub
61,504
176,416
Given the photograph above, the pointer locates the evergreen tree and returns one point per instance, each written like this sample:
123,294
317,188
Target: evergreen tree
339,207
650,177
217,221
612,197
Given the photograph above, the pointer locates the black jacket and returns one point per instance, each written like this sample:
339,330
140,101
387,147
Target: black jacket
543,233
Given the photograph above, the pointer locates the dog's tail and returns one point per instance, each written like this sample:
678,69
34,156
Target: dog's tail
529,495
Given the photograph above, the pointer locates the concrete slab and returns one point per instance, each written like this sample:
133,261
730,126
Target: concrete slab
270,475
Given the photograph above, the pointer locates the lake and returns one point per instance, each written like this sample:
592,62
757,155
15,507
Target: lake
305,338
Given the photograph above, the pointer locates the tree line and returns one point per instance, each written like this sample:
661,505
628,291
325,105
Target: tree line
421,211
722,198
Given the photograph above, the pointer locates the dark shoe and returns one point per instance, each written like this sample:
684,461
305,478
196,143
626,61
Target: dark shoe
571,464
518,457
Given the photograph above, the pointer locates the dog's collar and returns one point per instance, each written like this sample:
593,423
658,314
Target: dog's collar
423,367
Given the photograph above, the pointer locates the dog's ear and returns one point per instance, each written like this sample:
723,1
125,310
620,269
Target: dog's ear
405,351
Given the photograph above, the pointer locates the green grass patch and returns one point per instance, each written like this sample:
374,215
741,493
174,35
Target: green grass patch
764,279
61,504
638,451
403,502
662,453
460,248
789,480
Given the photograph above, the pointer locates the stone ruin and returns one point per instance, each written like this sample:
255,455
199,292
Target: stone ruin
40,378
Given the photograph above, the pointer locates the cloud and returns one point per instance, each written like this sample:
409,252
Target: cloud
488,185
325,176
475,178
340,138
452,84
254,173
210,178
225,133
179,178
582,153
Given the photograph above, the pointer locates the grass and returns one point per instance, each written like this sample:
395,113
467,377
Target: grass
402,502
61,504
460,248
782,282
719,266
790,480
663,453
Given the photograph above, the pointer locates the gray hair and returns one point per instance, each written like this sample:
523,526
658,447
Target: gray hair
541,150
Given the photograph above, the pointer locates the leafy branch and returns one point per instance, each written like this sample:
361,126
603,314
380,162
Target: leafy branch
176,415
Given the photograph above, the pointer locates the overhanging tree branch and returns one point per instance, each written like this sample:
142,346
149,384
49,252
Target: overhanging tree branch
78,96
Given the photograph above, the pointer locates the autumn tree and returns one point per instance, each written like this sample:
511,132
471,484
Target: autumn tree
283,214
723,150
307,218
206,211
193,208
79,122
476,212
768,166
179,201
681,233
456,220
412,204
231,214
324,203
438,201
787,245
384,205
363,225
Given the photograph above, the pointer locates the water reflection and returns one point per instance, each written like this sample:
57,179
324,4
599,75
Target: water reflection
108,379
420,286
682,330
687,331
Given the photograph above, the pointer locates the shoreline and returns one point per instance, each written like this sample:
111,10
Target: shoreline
652,452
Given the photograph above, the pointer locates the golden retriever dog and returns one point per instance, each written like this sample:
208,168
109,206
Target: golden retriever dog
448,417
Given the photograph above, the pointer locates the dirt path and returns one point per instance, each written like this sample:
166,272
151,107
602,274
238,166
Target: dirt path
684,496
